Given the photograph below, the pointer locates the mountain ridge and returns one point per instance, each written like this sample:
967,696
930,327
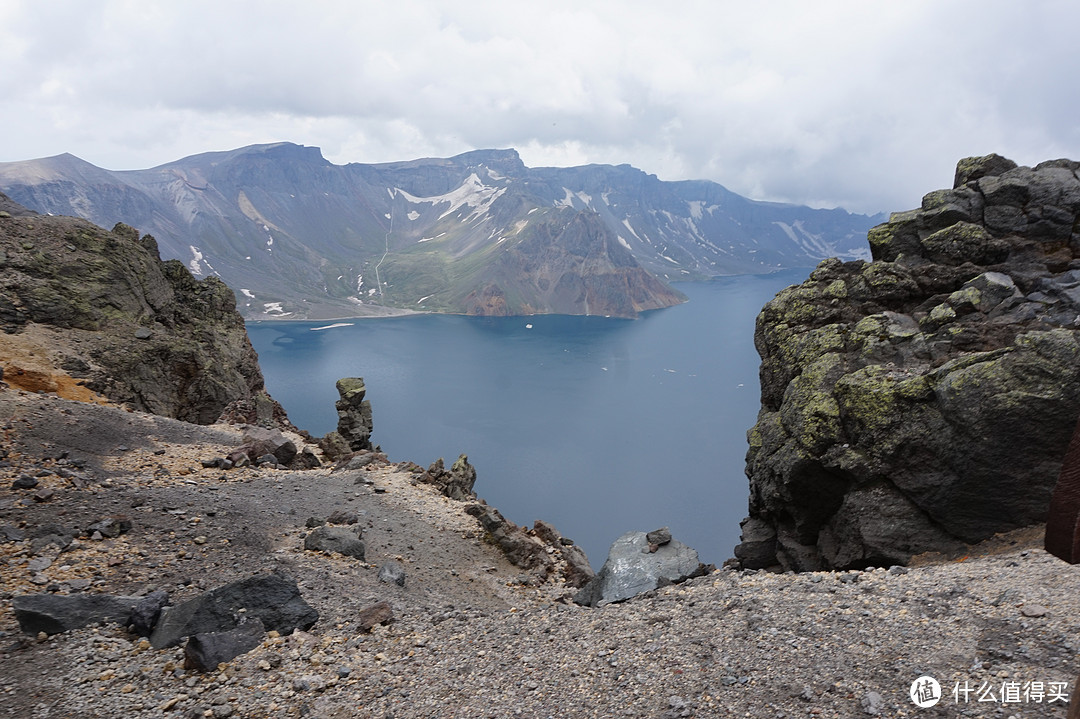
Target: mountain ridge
301,237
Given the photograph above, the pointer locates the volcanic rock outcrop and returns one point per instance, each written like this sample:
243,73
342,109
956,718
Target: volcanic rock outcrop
105,315
925,399
355,422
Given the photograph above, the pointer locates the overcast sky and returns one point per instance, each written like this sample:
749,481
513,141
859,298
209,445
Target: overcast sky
864,105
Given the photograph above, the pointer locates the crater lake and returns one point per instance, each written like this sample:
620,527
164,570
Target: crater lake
599,426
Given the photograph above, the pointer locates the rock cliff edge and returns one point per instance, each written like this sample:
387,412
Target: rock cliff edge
99,313
923,400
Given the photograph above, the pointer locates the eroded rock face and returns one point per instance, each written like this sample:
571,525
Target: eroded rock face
137,330
455,483
541,550
925,399
354,414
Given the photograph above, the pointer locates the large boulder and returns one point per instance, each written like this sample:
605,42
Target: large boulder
923,400
271,598
260,441
55,613
137,330
634,565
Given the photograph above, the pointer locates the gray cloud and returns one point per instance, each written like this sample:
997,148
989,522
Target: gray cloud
863,105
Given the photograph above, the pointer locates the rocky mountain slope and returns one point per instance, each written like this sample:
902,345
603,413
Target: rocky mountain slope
466,633
925,399
478,233
93,313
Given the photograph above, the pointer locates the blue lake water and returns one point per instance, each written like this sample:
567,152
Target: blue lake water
597,425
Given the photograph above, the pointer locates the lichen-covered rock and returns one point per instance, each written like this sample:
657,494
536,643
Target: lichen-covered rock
141,332
456,482
923,400
354,414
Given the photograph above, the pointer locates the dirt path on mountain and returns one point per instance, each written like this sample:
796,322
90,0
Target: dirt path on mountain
472,636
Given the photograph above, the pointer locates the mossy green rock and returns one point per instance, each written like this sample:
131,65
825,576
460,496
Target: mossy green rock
154,337
922,401
354,415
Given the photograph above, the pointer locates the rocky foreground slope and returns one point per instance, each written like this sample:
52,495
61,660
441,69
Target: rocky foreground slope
923,400
467,634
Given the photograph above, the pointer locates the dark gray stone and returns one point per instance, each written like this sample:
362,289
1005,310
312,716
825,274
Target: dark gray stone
273,599
307,459
359,461
343,516
12,534
924,400
631,569
392,572
55,613
578,570
24,482
971,169
47,535
110,527
146,613
335,539
757,549
260,442
659,537
204,652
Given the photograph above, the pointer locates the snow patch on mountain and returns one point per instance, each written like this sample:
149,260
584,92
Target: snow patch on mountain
567,200
815,245
197,262
626,224
472,193
275,309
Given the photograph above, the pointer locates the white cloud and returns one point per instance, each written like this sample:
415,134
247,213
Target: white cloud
866,105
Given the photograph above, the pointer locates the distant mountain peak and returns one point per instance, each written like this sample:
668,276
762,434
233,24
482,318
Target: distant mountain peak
299,236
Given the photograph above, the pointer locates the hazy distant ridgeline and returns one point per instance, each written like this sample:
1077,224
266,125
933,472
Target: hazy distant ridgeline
297,236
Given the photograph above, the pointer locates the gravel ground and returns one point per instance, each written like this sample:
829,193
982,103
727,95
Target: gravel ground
472,636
